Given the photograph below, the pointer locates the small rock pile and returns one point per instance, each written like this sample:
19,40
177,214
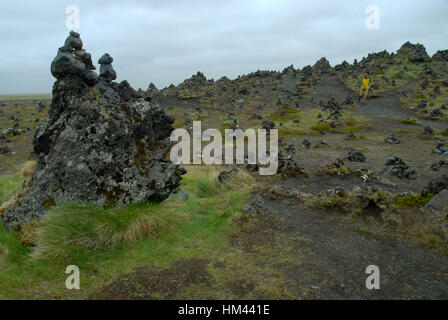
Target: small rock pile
392,139
438,165
415,52
428,131
107,72
72,59
397,167
287,166
333,108
322,66
441,148
268,125
257,206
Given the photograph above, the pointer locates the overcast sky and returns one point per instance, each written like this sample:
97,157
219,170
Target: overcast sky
166,41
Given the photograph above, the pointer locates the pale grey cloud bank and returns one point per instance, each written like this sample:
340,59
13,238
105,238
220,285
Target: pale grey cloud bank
166,41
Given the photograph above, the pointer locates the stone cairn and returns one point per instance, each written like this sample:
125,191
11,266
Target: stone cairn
101,143
107,72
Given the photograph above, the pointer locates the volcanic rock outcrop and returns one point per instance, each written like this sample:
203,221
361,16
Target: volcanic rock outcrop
95,146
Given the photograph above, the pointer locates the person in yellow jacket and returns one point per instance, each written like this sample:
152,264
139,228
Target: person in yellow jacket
366,82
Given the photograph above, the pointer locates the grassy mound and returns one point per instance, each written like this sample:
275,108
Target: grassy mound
74,227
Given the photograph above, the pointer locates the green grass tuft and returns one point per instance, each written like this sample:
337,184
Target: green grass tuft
10,248
410,121
321,126
208,188
413,201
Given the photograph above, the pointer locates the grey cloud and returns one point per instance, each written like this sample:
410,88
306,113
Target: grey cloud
165,42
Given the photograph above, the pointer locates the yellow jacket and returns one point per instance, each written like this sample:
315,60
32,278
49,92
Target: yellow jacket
365,83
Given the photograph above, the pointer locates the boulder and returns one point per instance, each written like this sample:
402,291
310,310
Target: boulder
4,150
436,185
256,206
226,175
439,202
356,156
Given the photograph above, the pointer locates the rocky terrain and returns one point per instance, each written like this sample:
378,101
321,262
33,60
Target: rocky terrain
357,184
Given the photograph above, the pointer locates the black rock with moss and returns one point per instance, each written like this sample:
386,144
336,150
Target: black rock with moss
97,147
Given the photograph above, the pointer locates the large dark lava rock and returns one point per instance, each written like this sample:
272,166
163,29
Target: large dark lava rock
97,147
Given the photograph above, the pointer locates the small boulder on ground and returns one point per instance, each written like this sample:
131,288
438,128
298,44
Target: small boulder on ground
356,156
257,206
428,131
4,150
439,202
436,185
226,175
306,144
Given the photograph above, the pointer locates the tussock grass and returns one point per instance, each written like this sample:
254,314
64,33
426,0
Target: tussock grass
10,248
9,185
72,226
321,126
410,121
413,201
28,169
351,202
